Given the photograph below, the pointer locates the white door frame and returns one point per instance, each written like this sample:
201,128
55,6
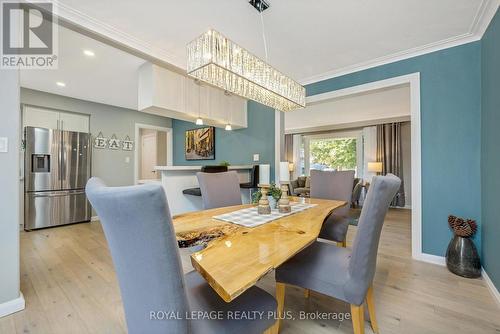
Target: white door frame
170,146
416,156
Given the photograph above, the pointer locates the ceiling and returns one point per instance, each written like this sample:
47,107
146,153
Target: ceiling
351,111
110,77
309,40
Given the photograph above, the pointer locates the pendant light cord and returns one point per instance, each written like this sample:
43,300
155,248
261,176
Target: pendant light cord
263,32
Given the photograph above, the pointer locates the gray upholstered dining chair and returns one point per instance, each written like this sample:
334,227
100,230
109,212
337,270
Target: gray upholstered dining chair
335,185
339,272
138,227
219,189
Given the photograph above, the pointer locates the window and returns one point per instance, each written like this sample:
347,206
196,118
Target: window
333,154
333,151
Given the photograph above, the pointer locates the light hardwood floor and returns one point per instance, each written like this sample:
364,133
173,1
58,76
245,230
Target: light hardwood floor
69,285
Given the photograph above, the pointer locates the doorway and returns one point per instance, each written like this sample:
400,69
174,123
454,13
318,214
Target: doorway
153,148
414,146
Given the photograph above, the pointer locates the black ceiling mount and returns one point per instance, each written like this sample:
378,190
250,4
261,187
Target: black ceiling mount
260,5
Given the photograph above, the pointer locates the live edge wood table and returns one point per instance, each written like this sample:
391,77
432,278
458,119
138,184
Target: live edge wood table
236,257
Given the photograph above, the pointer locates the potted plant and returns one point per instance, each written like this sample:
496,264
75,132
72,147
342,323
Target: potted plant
273,195
461,256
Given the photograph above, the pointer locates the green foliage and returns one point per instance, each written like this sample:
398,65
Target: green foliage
335,153
224,163
273,191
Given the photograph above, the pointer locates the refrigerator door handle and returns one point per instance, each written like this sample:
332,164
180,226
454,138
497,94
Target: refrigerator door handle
51,194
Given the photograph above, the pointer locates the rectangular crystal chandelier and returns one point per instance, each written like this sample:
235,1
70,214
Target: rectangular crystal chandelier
220,62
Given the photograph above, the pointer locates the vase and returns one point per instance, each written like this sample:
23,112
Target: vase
462,258
272,202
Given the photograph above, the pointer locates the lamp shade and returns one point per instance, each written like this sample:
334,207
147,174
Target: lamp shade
291,167
284,172
375,167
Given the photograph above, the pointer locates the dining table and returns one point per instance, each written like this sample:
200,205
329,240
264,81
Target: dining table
232,258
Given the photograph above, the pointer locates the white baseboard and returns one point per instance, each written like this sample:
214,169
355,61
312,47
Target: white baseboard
12,306
94,218
491,286
441,260
429,258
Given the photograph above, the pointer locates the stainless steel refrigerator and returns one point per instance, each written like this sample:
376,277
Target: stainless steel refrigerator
57,167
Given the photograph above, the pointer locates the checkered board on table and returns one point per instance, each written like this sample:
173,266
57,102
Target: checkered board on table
249,217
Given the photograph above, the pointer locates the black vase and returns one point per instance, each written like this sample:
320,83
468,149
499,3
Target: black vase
462,258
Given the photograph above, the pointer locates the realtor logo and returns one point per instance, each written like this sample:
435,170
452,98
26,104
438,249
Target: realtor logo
28,35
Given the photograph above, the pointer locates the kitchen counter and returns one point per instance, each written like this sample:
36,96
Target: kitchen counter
175,179
197,168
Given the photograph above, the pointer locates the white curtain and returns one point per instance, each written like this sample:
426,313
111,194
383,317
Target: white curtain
369,150
297,141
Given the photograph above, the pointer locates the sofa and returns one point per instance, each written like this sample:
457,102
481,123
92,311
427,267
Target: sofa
301,186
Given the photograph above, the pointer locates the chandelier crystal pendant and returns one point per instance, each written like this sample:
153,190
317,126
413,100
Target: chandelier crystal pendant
217,60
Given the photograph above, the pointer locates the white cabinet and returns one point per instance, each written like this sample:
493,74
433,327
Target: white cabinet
53,119
41,118
166,93
73,122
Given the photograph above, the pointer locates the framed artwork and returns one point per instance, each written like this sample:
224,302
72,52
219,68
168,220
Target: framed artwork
200,144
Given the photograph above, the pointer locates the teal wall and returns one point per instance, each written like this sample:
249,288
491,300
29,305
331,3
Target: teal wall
450,86
490,155
237,146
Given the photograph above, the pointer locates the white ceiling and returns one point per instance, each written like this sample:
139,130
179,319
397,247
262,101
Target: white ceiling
309,40
110,77
388,103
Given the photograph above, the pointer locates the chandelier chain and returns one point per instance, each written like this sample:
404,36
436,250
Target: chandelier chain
263,33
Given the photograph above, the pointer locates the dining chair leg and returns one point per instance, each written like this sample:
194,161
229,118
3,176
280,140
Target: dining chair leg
273,329
342,243
358,319
280,298
307,293
371,309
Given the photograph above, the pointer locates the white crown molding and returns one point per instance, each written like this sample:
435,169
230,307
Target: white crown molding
89,23
482,18
484,15
480,23
12,306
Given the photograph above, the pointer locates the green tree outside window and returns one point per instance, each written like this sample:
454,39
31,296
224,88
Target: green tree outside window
337,154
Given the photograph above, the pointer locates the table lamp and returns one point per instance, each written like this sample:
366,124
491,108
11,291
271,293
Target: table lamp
375,167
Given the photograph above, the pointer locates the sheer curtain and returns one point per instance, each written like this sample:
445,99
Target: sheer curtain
390,153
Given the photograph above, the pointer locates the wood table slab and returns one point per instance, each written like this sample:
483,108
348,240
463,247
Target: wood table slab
236,257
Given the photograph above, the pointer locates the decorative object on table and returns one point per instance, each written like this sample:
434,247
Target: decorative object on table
224,163
127,144
263,208
100,141
114,143
200,144
284,202
249,217
462,257
273,194
264,174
